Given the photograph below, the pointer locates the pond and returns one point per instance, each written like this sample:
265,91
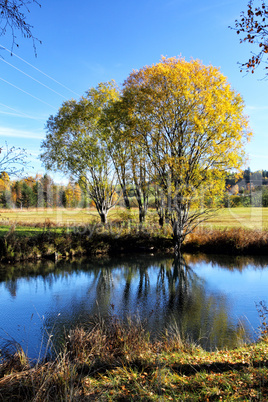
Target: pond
210,300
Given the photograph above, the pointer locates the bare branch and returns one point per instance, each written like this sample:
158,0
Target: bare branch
13,160
13,19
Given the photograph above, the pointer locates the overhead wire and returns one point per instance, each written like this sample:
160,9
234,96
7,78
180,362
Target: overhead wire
19,112
40,71
34,79
22,90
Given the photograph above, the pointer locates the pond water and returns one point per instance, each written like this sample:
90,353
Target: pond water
207,299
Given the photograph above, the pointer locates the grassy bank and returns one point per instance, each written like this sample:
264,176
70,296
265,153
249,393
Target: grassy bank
47,233
228,241
115,240
112,361
90,240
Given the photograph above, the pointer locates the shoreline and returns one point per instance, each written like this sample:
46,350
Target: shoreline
52,244
112,361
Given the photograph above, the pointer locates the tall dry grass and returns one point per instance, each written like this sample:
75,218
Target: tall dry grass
105,344
233,240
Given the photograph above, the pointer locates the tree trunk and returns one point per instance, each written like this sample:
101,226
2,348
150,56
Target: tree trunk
167,216
141,214
161,214
126,199
103,216
177,248
177,239
161,220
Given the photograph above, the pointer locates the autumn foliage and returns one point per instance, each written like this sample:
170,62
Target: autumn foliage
191,125
173,131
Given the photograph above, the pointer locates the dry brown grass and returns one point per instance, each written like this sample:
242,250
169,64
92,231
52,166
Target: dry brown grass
232,240
102,346
108,339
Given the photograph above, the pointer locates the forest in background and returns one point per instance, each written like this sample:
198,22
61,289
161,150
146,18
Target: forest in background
250,189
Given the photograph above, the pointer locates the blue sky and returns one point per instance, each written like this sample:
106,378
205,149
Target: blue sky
87,42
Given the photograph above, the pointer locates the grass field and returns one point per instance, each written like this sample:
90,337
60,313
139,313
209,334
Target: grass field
58,216
247,218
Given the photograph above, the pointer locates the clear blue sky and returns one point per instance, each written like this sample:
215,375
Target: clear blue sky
87,42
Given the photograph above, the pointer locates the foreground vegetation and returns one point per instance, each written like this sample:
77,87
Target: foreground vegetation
115,361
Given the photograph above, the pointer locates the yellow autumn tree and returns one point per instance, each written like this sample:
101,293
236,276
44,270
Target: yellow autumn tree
191,124
69,195
73,195
77,194
4,181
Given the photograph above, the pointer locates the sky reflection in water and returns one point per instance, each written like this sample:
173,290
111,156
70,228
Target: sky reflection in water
206,298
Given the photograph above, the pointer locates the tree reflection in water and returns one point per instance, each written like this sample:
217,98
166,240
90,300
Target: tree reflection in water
164,293
199,316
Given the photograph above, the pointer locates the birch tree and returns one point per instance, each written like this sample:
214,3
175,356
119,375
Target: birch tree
76,145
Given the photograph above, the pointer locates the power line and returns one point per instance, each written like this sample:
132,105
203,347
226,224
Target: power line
27,93
34,79
37,69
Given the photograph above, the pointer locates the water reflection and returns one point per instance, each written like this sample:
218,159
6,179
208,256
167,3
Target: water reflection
164,293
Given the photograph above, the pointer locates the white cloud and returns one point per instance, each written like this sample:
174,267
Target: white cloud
16,133
257,108
21,115
258,156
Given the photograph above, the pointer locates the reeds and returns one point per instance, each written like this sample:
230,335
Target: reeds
104,345
228,241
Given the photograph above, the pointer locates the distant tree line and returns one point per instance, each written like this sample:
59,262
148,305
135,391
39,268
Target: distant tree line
249,189
39,191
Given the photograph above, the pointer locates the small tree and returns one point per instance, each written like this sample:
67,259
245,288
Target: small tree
17,190
130,161
191,125
74,144
118,144
140,174
28,198
5,190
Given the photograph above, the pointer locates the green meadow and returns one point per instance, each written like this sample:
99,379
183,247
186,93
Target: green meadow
247,217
